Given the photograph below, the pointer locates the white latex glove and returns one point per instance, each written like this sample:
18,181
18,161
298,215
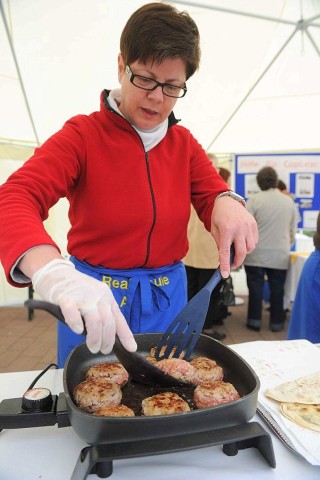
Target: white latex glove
79,295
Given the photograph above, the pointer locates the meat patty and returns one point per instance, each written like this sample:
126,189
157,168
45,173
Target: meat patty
151,359
153,351
114,372
95,393
214,393
164,404
206,370
178,368
114,411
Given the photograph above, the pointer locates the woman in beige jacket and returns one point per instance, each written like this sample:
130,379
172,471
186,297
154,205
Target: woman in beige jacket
201,261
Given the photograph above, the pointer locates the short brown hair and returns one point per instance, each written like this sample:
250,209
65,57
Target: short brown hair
267,178
281,185
157,32
224,173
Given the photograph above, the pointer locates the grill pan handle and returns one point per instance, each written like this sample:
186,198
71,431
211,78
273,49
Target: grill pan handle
136,365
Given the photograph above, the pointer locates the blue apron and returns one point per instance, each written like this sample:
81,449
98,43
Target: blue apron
148,298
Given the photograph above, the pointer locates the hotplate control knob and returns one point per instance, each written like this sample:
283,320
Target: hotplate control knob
37,400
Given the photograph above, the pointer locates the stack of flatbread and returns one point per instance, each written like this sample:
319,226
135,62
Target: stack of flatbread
300,400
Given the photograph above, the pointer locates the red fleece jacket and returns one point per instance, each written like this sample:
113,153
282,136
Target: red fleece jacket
128,208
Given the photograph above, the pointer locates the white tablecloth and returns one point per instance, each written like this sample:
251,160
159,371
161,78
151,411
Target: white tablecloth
278,362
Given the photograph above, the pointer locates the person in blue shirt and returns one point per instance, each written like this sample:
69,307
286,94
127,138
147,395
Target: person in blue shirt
305,316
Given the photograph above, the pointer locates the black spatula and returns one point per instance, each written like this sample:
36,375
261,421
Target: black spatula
139,368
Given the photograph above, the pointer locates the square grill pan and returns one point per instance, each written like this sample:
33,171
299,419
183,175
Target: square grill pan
97,430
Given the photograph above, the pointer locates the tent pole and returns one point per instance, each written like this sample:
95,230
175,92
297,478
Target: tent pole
18,71
300,25
252,88
312,42
236,12
310,23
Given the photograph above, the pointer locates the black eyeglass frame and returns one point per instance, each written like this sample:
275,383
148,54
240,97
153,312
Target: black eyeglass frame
132,76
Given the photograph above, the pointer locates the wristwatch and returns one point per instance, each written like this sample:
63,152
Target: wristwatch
233,195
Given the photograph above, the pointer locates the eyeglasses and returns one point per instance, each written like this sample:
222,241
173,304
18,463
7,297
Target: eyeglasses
146,83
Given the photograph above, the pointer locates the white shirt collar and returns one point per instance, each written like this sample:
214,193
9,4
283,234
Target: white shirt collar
150,138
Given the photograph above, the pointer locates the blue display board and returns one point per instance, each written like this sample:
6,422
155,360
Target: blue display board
299,171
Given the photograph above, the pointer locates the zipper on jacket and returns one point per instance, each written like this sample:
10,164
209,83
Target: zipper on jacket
172,121
154,209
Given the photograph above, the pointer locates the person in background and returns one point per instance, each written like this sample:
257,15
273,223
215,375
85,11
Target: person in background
275,214
225,174
305,315
129,172
266,291
283,189
201,262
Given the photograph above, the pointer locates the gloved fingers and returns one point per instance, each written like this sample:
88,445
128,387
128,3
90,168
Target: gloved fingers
123,331
84,299
93,322
102,324
108,327
72,315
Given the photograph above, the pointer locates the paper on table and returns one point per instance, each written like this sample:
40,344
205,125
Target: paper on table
279,362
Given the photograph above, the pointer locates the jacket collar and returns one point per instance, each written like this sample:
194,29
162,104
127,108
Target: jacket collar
172,120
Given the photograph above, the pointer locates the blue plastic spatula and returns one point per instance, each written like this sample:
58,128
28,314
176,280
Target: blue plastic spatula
183,333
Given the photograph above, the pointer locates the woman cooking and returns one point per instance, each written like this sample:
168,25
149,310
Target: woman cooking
130,173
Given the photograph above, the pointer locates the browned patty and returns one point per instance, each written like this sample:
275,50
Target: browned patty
153,350
113,371
96,392
214,393
206,370
151,359
114,411
164,404
178,368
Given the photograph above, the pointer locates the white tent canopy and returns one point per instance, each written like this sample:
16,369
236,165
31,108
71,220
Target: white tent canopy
257,90
66,53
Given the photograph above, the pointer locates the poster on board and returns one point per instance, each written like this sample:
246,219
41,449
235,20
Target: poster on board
299,171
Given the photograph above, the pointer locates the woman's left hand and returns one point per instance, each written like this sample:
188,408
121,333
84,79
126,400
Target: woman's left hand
232,223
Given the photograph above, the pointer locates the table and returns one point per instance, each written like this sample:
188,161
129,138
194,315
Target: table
49,453
297,260
303,243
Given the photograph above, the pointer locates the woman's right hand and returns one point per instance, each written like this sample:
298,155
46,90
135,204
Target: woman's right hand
83,298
